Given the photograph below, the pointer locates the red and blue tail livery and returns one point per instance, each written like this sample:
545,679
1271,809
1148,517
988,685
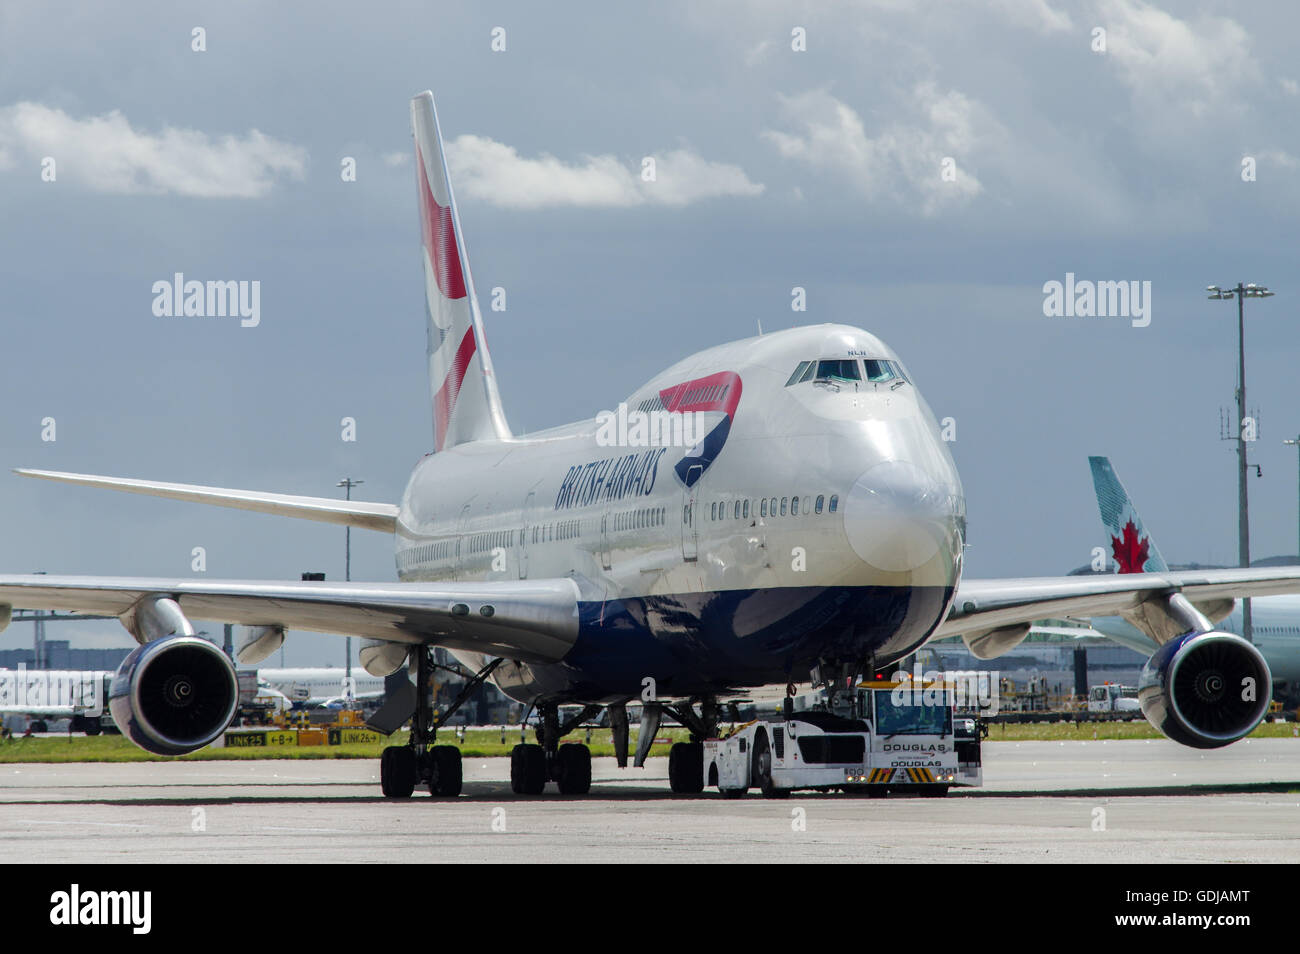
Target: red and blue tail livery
466,406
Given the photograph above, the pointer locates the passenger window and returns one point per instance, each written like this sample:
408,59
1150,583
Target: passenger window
794,506
820,501
746,510
785,502
736,515
772,509
713,511
763,508
835,502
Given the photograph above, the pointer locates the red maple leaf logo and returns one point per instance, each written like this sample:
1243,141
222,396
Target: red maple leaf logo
1130,553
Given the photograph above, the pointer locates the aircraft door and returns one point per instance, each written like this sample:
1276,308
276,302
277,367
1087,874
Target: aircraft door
690,529
525,528
461,524
605,561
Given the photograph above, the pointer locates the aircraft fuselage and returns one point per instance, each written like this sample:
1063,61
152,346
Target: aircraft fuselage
820,520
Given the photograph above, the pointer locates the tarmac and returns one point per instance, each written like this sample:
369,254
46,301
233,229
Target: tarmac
1091,801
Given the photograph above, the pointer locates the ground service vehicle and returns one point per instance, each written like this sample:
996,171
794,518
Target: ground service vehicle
1120,701
890,738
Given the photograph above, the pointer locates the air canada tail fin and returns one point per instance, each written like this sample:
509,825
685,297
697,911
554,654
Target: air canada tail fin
1130,544
466,405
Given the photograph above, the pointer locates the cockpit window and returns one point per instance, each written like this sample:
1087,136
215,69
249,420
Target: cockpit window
880,372
837,369
798,373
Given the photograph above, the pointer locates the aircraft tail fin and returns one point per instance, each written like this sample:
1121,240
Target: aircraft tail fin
1131,546
466,405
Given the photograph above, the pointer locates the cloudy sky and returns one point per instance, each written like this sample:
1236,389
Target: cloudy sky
922,169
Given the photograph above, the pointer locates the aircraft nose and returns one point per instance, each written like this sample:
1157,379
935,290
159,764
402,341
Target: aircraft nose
898,517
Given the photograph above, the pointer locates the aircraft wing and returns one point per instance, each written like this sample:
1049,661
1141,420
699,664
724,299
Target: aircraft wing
352,513
984,607
527,620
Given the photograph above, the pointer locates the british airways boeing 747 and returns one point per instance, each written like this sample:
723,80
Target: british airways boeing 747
813,530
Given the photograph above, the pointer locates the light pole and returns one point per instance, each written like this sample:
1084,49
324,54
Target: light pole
38,637
348,483
1241,293
1296,443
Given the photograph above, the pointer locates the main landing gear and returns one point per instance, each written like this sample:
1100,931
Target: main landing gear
686,759
568,765
420,761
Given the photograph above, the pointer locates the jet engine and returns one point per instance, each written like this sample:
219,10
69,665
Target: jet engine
1205,689
174,695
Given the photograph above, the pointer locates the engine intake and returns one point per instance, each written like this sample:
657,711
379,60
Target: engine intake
1205,689
174,695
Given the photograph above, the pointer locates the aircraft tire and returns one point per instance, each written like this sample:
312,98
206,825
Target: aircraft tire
686,768
527,769
573,763
397,771
446,780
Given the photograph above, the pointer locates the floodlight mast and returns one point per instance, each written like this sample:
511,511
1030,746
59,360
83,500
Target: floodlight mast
1241,292
348,483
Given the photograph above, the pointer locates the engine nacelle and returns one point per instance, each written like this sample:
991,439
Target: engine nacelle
380,657
1205,689
174,695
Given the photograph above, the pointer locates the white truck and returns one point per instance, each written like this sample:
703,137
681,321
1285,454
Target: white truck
891,738
1121,702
